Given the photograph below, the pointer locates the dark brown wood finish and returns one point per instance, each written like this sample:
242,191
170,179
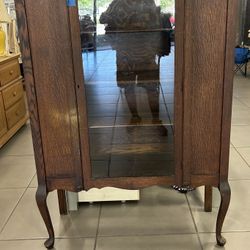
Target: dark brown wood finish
42,190
80,93
224,187
63,208
50,39
41,199
55,83
178,96
204,73
228,88
80,90
225,193
31,91
208,198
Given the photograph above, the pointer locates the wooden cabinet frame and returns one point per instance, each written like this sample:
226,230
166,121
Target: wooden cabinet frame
205,37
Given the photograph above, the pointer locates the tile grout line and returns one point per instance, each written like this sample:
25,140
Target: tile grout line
105,236
110,236
18,202
242,147
240,125
14,188
119,236
195,226
239,99
234,179
233,147
98,225
242,157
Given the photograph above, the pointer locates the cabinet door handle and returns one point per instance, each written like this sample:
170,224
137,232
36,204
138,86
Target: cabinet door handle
14,94
11,72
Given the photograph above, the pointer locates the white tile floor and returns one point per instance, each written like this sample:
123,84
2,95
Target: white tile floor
162,219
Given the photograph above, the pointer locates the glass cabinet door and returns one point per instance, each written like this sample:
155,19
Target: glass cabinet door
128,54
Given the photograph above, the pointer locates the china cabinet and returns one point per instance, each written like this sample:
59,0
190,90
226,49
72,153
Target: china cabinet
144,101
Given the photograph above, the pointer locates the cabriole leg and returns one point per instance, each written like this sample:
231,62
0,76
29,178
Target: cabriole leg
225,193
41,199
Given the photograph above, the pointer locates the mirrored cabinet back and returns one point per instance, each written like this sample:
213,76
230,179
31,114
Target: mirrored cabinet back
129,94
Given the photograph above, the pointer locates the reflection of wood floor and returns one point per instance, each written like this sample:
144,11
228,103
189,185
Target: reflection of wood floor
120,144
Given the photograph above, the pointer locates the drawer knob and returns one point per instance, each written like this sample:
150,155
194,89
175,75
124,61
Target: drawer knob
11,72
17,113
14,93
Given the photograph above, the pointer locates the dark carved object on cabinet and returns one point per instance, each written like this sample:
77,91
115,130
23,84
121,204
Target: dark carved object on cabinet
68,145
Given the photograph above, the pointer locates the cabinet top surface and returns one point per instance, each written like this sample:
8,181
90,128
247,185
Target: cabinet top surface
4,59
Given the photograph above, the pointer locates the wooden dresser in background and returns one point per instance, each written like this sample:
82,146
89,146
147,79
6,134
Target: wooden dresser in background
13,111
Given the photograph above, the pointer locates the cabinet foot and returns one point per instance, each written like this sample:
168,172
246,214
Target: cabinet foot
225,193
49,243
41,199
221,241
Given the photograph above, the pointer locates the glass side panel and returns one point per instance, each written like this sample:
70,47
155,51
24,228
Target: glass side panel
128,59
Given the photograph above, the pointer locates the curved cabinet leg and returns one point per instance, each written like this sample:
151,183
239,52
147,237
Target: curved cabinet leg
41,199
225,193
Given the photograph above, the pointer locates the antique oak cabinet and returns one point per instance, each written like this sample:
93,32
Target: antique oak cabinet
124,94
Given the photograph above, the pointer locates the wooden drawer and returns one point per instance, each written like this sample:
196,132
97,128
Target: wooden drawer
15,113
12,94
9,72
3,124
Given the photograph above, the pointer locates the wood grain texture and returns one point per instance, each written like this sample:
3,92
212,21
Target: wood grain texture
205,33
232,10
200,180
208,199
50,39
178,95
59,118
130,182
30,90
63,208
55,87
80,93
